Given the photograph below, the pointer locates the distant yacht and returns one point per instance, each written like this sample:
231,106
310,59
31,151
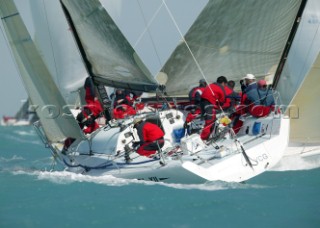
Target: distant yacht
25,116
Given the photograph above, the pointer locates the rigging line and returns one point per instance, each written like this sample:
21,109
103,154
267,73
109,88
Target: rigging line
51,43
184,41
147,28
188,47
148,25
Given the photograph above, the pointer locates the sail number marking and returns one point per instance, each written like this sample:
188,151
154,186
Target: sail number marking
262,157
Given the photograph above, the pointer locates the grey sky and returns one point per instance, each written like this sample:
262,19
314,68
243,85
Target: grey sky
131,16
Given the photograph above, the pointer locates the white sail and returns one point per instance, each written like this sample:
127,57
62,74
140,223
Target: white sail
299,81
305,122
51,108
109,56
223,41
304,51
56,44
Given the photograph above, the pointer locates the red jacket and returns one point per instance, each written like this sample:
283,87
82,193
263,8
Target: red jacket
195,94
191,116
149,132
89,97
214,93
95,107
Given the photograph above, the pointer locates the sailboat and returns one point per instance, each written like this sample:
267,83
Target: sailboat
24,117
220,42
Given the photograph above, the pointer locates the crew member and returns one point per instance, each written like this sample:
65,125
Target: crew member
191,116
195,100
89,89
248,84
151,137
261,100
196,92
232,95
122,106
86,120
92,100
213,97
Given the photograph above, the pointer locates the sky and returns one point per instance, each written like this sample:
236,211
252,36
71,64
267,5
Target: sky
154,45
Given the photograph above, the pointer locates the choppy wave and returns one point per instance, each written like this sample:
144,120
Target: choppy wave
25,132
13,158
22,140
19,135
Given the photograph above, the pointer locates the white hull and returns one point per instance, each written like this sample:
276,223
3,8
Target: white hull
264,153
192,161
14,122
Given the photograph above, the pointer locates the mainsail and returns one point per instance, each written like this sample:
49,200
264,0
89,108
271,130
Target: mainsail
110,58
23,113
26,113
52,110
223,41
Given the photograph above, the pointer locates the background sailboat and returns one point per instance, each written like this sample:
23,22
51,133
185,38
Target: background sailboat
51,108
24,117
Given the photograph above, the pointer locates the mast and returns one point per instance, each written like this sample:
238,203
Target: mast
77,39
288,44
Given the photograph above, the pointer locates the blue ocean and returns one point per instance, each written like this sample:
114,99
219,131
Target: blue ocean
35,193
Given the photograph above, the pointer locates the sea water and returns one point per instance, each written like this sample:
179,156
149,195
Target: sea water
33,195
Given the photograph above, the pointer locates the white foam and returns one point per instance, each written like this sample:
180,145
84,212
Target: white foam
28,133
297,162
65,177
14,158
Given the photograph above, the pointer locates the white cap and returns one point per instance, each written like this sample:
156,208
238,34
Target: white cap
250,77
